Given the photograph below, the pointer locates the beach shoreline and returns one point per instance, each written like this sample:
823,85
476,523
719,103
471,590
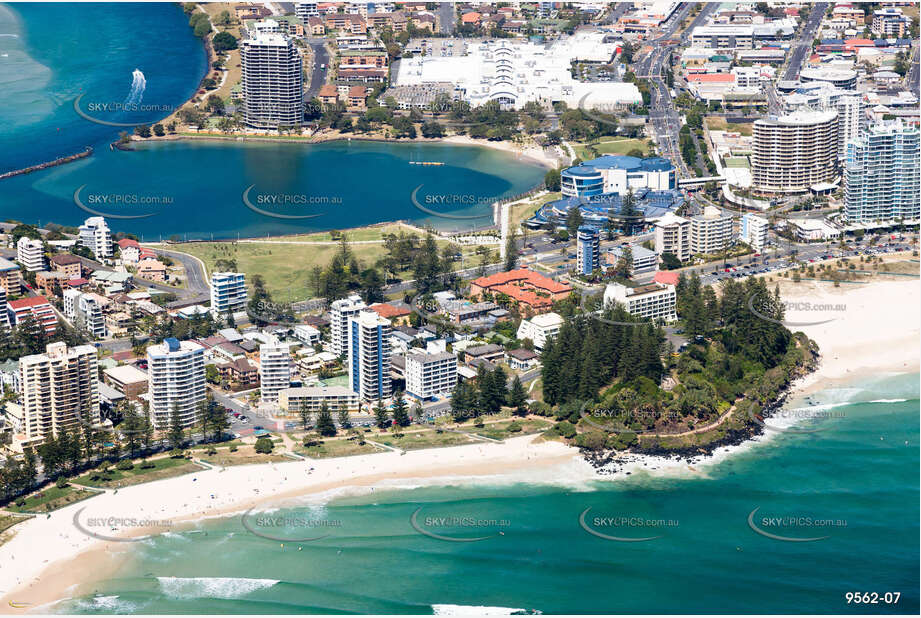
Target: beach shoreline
50,549
531,153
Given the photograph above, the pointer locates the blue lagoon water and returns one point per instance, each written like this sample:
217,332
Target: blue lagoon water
861,470
50,56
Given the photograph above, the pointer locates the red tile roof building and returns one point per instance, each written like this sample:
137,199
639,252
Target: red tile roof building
39,308
531,290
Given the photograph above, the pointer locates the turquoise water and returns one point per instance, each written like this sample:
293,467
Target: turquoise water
52,55
861,471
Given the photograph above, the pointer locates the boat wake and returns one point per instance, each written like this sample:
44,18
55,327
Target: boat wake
136,93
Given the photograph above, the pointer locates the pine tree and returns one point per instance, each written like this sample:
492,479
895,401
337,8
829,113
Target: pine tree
343,416
175,434
381,416
517,397
400,412
131,427
304,412
325,425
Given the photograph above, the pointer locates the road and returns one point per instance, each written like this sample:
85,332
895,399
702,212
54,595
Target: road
447,17
198,289
804,40
320,66
662,112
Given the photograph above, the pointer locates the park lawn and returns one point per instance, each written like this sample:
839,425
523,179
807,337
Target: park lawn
8,521
428,438
245,455
499,431
523,212
204,447
163,468
612,145
52,498
718,123
336,447
284,267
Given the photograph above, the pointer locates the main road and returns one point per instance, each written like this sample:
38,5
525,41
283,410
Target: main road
662,112
804,40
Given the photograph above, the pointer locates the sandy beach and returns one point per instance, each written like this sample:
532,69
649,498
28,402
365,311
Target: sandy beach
872,328
47,551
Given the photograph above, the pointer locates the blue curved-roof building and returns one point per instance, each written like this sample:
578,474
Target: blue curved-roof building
597,209
617,174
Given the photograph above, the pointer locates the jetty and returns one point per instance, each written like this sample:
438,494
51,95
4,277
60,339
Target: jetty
47,164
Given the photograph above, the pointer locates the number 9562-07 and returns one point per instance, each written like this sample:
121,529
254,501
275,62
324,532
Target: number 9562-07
872,598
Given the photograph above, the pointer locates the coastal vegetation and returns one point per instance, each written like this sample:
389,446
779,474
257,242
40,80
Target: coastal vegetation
615,382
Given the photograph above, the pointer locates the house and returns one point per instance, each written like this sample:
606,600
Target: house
152,269
397,313
522,359
239,371
471,19
128,379
130,250
356,98
68,264
316,26
488,352
329,94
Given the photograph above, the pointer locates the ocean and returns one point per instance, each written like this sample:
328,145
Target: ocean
119,62
852,484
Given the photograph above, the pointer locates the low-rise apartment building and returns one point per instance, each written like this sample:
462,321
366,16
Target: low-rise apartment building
655,301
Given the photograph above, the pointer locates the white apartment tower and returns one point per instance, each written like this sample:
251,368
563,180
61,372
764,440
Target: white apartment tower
274,370
176,380
58,390
711,232
340,312
369,356
673,235
754,231
96,236
428,375
273,82
794,152
31,254
228,293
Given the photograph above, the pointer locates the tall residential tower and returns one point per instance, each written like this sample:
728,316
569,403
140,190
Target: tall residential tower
273,82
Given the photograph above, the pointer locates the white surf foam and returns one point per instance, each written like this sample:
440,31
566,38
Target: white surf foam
212,587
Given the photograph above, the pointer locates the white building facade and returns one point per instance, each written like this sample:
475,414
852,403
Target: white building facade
176,381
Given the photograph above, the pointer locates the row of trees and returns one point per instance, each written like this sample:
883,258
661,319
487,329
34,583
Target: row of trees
589,353
29,337
747,316
487,395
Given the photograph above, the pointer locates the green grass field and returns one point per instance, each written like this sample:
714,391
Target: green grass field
52,499
337,448
428,438
286,267
612,145
163,468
